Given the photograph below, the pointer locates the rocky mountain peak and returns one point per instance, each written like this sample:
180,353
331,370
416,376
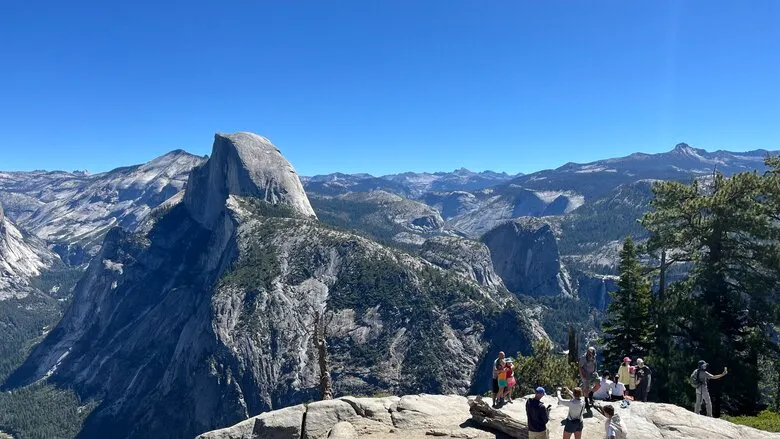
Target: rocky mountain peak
243,164
685,149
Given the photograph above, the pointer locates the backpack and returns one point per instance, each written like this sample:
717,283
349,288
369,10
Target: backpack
695,380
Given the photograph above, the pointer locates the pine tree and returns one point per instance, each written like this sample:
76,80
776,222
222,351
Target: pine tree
726,230
628,329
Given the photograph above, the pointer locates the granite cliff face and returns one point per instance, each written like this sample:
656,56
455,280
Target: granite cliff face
22,257
525,255
205,318
72,211
243,164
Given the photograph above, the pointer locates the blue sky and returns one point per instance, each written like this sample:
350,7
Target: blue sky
386,86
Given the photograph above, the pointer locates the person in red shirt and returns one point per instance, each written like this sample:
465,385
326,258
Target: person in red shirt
510,380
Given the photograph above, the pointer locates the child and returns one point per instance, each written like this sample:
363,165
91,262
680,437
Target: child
502,381
510,381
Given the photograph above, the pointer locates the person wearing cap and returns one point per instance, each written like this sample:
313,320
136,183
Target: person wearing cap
644,378
587,370
538,415
624,372
700,376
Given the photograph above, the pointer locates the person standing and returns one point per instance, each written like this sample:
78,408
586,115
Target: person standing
624,372
644,379
573,423
587,369
510,380
699,379
538,415
502,381
494,382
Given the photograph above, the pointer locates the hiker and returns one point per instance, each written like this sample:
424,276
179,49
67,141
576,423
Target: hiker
644,378
613,425
603,389
538,415
618,391
699,379
510,380
494,382
587,369
632,382
573,422
502,381
624,372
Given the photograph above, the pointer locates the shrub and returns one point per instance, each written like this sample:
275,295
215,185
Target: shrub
766,420
544,368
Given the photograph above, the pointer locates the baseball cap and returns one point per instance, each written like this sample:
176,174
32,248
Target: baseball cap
540,389
702,363
626,360
640,361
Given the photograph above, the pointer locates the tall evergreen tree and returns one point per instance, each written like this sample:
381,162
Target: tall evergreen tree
725,310
629,328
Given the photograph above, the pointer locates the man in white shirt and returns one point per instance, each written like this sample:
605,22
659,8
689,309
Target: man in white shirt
603,389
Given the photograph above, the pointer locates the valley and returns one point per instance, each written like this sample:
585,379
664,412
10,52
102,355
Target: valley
178,296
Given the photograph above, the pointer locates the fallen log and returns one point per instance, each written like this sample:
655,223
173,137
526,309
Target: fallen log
488,417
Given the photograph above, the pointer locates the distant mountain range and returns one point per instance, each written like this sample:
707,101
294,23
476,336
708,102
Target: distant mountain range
199,280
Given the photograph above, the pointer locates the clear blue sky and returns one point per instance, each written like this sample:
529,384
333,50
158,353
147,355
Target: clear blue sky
386,86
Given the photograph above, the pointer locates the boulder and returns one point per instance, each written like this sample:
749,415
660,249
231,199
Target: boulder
278,424
321,416
343,430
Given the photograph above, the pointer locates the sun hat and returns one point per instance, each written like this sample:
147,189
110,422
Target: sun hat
540,389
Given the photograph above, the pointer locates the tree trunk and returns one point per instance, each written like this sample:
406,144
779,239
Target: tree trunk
326,384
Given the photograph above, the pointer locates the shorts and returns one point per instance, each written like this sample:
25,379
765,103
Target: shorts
572,425
495,385
501,383
511,382
538,435
616,398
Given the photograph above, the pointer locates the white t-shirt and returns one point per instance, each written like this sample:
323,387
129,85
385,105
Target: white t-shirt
605,387
610,430
618,389
576,406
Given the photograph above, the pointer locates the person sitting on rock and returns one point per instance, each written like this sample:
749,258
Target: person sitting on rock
538,415
603,389
618,391
573,423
